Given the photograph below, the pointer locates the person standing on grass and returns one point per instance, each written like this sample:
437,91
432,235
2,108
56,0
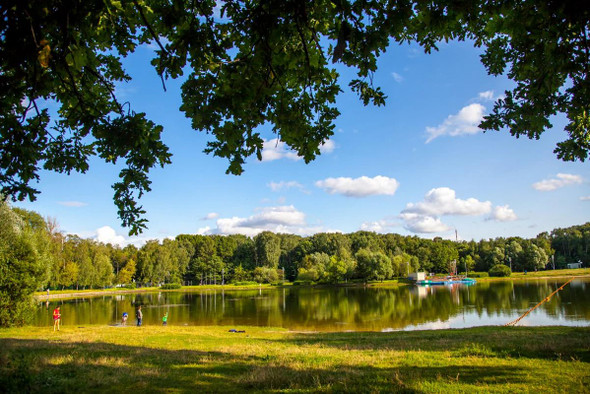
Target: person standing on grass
56,318
124,319
139,316
165,319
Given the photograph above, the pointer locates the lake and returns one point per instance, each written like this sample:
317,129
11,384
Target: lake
341,308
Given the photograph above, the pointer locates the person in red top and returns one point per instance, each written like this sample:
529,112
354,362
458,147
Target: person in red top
56,318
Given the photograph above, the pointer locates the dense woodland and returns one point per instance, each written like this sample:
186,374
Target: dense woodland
73,262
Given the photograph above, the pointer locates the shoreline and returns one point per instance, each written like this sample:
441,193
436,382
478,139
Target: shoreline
41,296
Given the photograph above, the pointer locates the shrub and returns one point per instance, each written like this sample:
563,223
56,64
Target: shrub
478,274
302,283
265,275
500,270
170,286
245,283
129,286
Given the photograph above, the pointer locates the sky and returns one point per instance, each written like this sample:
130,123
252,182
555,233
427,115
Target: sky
417,166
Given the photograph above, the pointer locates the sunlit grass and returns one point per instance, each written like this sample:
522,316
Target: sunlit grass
565,273
211,359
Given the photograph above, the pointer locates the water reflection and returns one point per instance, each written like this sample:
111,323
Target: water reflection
340,309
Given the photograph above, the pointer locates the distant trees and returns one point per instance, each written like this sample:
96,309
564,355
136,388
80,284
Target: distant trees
268,249
571,244
373,265
269,257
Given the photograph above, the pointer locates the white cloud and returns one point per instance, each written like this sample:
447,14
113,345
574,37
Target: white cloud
327,147
278,186
108,235
443,201
211,216
276,149
466,121
398,78
280,219
204,230
585,198
559,181
424,216
359,187
503,213
379,226
74,204
488,95
423,223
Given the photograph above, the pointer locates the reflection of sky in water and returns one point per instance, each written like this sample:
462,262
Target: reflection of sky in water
343,309
538,317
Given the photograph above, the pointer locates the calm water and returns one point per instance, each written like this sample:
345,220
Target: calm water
342,309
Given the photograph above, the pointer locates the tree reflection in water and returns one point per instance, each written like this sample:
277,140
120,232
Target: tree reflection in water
341,308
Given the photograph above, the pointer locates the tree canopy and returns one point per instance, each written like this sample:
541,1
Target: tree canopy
250,63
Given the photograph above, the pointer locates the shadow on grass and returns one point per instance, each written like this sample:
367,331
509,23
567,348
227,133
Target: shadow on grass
49,366
42,366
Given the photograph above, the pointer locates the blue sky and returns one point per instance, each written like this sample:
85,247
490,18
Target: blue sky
418,166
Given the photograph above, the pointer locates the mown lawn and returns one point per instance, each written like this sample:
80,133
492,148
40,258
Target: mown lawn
212,359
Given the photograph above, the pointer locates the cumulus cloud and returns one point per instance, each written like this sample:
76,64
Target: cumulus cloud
379,226
204,230
73,204
561,180
503,213
276,149
108,235
327,147
279,219
423,223
398,78
443,201
465,122
359,187
488,95
211,216
424,216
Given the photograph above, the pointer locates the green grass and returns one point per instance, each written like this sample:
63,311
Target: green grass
72,293
211,359
565,273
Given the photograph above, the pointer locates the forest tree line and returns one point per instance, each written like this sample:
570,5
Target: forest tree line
269,257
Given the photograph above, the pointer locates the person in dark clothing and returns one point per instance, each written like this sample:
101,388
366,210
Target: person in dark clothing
139,316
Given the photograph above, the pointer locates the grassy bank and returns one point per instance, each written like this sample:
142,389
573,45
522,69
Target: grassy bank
565,273
211,359
69,293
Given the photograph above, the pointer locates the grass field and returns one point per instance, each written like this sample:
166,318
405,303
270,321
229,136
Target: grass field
212,359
